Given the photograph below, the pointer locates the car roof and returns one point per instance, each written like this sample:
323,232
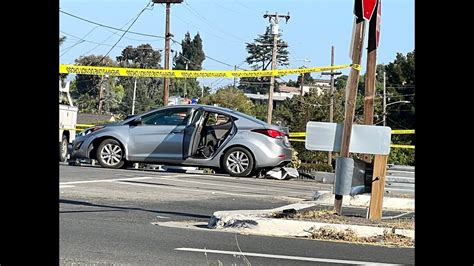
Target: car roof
205,107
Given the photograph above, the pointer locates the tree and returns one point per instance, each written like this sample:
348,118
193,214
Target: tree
86,88
230,97
308,79
260,58
295,112
260,51
143,56
61,40
400,85
191,55
149,92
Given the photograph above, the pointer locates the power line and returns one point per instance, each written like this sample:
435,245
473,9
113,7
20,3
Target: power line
125,32
395,122
110,27
81,40
132,39
228,9
137,33
192,25
174,41
100,44
209,23
252,9
113,33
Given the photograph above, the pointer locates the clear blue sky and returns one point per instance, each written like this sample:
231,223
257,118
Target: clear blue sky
226,25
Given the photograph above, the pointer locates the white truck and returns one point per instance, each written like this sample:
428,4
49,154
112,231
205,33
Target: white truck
67,121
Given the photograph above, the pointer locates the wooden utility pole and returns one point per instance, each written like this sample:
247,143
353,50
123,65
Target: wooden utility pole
331,93
273,18
302,84
167,44
378,187
134,95
370,77
167,55
235,79
351,92
101,94
272,80
185,92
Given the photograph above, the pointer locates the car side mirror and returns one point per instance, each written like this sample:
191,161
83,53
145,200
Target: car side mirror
136,121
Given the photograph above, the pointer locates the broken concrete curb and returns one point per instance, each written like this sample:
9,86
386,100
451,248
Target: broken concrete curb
389,203
258,222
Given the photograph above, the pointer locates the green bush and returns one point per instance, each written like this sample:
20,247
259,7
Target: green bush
401,156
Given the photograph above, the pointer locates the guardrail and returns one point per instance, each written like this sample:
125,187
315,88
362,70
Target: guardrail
295,136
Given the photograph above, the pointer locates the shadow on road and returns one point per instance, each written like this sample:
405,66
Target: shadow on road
119,208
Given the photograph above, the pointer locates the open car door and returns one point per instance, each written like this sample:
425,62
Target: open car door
192,133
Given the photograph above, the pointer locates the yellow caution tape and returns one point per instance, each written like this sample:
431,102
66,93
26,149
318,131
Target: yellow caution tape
297,140
84,125
160,73
402,146
356,66
394,132
298,134
403,131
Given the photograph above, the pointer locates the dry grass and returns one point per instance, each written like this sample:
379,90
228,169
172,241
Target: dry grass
328,216
388,238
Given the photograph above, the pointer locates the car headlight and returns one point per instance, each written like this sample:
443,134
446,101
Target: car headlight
87,131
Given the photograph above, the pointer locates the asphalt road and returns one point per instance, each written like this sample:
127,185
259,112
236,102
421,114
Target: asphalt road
124,216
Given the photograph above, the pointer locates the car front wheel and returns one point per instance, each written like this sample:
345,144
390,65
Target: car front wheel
238,162
110,154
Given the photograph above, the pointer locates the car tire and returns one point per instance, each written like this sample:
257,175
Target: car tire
238,161
63,149
110,154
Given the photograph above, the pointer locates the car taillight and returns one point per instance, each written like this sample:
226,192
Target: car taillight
270,132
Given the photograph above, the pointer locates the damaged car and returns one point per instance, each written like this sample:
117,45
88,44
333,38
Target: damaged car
188,135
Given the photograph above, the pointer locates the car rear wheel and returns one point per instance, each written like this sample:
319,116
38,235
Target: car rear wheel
238,162
63,149
110,154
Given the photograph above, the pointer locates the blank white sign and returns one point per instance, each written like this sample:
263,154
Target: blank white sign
324,136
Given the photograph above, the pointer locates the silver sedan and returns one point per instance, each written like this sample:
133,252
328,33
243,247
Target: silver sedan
191,135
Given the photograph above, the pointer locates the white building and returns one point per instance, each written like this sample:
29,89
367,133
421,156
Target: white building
320,85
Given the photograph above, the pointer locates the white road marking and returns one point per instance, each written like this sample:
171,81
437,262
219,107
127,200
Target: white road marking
65,186
111,180
273,189
203,190
282,256
251,181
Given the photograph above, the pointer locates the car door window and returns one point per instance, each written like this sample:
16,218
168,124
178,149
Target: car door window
216,119
167,117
